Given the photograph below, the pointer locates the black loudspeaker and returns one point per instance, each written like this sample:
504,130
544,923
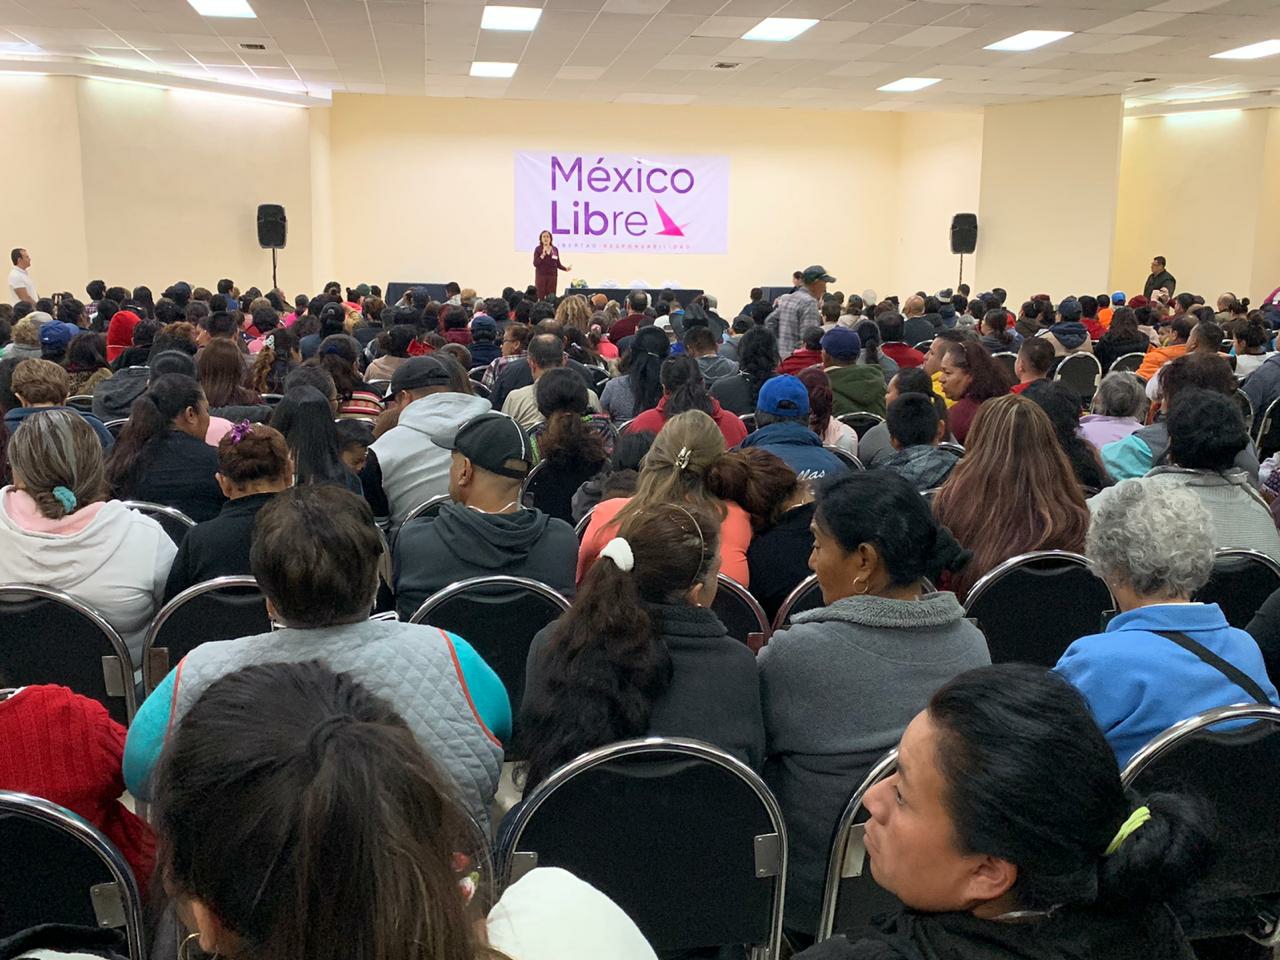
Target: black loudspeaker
964,233
272,225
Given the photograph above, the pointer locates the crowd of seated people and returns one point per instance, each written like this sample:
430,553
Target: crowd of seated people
300,435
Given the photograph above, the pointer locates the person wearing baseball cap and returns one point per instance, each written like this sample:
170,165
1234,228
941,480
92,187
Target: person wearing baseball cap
782,428
799,309
54,337
855,387
406,462
485,531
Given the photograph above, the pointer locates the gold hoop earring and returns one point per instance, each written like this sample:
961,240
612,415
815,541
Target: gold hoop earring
865,587
184,950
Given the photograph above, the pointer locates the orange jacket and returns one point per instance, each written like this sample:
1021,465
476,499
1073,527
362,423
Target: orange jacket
1157,357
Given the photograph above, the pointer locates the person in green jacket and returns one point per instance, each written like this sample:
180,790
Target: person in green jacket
1160,278
856,388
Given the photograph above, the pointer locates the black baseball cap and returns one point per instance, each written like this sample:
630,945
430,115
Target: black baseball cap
492,441
418,373
815,273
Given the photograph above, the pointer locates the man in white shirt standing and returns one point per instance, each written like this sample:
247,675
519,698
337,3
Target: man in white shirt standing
20,284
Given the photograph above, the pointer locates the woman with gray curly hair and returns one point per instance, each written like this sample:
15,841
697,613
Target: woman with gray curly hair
1115,411
1152,666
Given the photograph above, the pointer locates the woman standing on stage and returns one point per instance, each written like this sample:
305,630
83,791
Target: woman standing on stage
546,264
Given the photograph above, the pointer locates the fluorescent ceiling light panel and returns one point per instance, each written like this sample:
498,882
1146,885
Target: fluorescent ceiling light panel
510,18
492,68
1028,40
1267,48
223,8
909,84
778,28
29,48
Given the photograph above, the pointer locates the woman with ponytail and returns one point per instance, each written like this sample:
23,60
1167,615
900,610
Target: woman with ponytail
161,455
1005,832
641,653
841,682
683,388
1252,336
278,358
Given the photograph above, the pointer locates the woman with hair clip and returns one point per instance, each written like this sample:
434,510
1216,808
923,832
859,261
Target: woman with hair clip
278,358
305,418
969,377
641,653
1252,339
254,464
340,355
161,455
684,389
821,402
1005,832
59,529
675,471
638,387
299,818
839,684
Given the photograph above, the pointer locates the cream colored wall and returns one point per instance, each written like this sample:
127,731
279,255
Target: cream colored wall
1191,188
42,204
423,190
1048,196
1266,249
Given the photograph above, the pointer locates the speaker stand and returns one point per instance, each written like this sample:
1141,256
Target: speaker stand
958,285
276,286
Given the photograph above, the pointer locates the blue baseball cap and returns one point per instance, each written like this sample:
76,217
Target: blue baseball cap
1118,297
57,334
842,343
785,396
1070,309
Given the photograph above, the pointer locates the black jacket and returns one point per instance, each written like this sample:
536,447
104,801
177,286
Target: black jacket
917,330
1162,279
179,472
433,552
737,394
113,397
1108,349
779,558
1265,628
217,547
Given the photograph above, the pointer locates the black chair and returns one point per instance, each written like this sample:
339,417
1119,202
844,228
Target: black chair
923,346
741,613
1237,772
1246,408
479,389
1240,583
271,399
476,373
47,636
687,840
498,616
430,508
844,456
82,402
1127,362
851,896
60,869
550,487
806,596
955,448
380,387
748,421
860,421
115,426
225,608
1081,372
175,522
580,528
1033,606
1267,435
1008,361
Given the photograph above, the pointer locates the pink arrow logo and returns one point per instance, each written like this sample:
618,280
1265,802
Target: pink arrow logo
669,227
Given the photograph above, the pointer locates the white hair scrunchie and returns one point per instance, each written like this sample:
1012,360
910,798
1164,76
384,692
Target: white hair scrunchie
619,551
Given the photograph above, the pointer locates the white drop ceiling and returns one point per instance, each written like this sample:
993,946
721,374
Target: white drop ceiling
666,51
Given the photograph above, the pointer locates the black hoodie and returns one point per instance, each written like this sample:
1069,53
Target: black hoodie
431,553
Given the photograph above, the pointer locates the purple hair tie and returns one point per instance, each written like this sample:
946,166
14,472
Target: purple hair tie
241,430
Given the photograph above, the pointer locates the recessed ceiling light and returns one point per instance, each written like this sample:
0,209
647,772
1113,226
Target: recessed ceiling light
510,18
1267,48
492,68
1028,40
223,8
778,28
908,84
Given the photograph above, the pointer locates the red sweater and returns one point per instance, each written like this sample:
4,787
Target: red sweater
652,420
904,355
799,360
63,747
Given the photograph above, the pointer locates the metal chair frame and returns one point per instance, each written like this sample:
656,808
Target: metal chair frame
528,480
117,670
1022,559
121,907
500,580
757,638
792,598
153,510
844,456
580,528
1008,358
1070,358
1136,361
951,447
82,402
849,834
770,849
155,660
1264,425
439,500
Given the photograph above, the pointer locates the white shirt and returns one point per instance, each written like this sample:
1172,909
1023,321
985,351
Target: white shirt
19,279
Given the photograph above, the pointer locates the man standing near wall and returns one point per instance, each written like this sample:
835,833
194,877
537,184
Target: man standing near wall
1159,278
20,284
799,309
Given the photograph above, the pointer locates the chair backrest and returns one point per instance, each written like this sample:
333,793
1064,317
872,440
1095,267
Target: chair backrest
430,508
550,487
115,426
60,869
1246,408
741,613
1240,583
378,386
580,528
1127,361
82,402
851,896
1081,372
683,837
271,399
1268,430
479,389
951,447
924,345
476,373
748,421
844,456
226,608
1235,770
175,522
1009,361
861,421
47,636
1033,606
807,595
499,617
